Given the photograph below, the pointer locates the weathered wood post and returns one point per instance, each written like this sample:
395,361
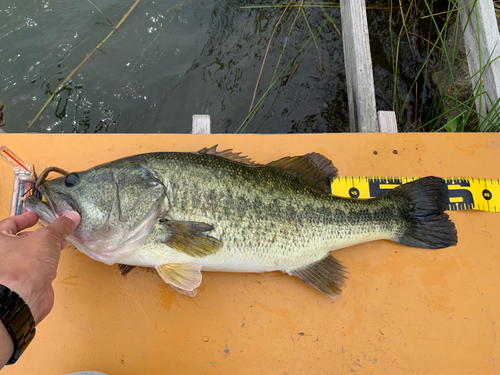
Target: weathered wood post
201,124
358,66
482,43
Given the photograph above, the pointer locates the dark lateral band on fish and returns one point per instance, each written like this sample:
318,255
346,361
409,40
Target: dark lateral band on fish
183,213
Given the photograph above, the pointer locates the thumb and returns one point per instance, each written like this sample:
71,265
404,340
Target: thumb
63,226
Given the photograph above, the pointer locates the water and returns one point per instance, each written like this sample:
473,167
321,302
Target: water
169,60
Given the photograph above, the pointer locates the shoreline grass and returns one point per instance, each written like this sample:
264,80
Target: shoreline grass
432,25
438,33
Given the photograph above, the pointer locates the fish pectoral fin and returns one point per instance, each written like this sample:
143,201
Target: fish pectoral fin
184,278
326,275
314,169
189,237
125,269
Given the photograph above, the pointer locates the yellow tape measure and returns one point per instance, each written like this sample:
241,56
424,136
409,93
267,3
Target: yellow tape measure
465,193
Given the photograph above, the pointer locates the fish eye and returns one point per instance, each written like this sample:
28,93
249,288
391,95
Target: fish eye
71,179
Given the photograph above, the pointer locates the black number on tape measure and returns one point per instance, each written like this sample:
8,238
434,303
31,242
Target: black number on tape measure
487,194
354,192
377,186
467,200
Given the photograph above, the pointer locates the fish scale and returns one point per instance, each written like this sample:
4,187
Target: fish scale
285,230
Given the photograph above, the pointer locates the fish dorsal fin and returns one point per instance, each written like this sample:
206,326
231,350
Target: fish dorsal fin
326,275
315,169
188,237
228,154
184,278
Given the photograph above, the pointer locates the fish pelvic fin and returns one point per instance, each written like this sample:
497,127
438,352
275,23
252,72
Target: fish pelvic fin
314,169
427,225
184,278
326,275
189,237
190,293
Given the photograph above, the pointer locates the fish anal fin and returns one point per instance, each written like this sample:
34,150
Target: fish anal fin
184,278
315,169
190,238
228,154
326,275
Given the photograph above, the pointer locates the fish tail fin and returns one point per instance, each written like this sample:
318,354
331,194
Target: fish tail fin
428,226
327,275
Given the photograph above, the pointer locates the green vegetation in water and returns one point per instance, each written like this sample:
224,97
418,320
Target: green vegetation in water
420,49
292,64
211,69
439,99
452,111
422,43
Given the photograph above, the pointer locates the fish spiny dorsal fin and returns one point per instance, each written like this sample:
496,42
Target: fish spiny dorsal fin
228,154
315,169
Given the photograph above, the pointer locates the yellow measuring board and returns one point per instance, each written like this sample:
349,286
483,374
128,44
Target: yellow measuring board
465,193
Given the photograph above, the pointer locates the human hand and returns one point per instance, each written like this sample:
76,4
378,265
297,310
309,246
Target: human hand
30,259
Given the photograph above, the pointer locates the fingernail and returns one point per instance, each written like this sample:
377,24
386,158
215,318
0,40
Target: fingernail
73,215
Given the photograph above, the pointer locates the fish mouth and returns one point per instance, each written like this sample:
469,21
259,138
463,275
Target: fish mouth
49,206
42,203
41,207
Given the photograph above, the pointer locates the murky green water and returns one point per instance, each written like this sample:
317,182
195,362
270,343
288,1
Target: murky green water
175,58
170,59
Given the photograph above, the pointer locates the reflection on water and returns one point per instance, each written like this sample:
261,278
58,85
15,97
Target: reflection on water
170,59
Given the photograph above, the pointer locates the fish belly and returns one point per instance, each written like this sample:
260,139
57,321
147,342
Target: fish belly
287,248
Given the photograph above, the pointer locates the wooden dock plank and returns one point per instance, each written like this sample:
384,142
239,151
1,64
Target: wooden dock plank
482,42
358,66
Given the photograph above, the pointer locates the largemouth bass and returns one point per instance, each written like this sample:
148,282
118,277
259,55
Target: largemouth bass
183,213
